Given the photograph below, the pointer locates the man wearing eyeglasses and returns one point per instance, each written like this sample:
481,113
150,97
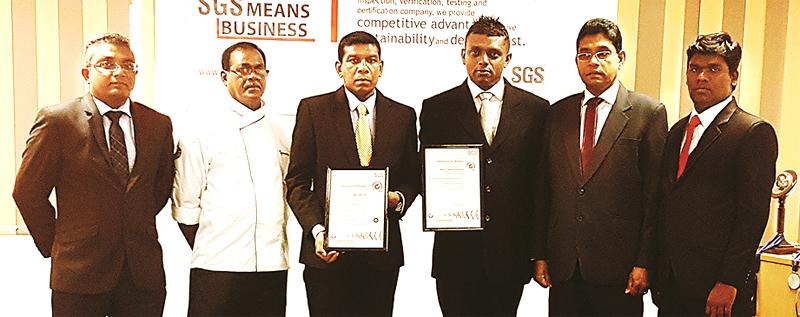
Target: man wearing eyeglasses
110,161
228,196
594,234
352,127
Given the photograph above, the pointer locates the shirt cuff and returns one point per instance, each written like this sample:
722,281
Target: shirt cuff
402,202
186,215
316,230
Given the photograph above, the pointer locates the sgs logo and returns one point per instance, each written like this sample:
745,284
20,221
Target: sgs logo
527,74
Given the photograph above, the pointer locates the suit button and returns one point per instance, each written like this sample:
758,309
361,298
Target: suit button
489,161
488,189
487,218
579,218
581,191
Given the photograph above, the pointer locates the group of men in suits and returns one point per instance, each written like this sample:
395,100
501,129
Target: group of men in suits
591,196
623,205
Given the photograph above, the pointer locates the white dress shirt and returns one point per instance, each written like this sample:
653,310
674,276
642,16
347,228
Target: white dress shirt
705,121
229,180
603,109
497,101
125,122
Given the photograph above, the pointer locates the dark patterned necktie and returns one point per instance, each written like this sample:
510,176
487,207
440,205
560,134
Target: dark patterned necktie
116,147
589,129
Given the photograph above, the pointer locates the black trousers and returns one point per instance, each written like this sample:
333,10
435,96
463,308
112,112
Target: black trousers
477,296
577,297
214,293
123,300
350,292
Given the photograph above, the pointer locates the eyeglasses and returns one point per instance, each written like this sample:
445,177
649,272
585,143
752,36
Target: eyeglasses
107,67
247,69
586,56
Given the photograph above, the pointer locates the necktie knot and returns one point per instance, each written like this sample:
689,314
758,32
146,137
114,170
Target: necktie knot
594,102
362,109
694,122
484,96
114,115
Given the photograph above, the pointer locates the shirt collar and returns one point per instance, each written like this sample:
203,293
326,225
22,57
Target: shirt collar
708,116
246,114
353,101
609,95
103,108
496,90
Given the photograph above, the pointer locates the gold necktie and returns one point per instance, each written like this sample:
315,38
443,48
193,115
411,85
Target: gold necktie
363,136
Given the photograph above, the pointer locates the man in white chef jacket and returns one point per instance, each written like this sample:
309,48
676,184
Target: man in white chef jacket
228,197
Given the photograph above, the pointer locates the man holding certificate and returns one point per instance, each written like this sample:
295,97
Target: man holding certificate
482,271
342,146
595,222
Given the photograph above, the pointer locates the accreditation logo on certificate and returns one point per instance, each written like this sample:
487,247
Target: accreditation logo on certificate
452,198
355,209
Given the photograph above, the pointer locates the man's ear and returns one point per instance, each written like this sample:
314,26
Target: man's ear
224,76
85,73
338,67
734,79
508,59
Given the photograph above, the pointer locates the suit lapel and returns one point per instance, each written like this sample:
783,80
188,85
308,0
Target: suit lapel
509,114
569,126
615,123
467,114
710,135
384,127
673,148
98,134
142,141
343,127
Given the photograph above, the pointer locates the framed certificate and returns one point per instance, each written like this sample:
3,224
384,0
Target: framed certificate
452,199
355,210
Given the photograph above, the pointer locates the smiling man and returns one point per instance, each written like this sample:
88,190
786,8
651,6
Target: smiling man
483,272
228,196
594,225
110,162
719,165
355,126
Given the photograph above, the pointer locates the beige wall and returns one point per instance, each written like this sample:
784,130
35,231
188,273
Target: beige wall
41,49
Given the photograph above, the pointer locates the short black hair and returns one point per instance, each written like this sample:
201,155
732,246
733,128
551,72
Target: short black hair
226,54
719,43
357,37
601,26
107,38
489,26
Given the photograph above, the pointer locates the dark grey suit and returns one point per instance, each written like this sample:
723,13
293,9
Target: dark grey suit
600,223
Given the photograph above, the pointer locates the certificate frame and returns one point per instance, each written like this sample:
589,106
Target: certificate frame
427,210
377,239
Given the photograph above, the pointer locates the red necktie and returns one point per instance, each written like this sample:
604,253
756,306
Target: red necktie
589,127
687,143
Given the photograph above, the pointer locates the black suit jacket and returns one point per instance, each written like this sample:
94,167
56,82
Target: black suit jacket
713,217
605,217
101,223
501,249
323,137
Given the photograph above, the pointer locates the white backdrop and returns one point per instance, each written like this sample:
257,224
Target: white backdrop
421,50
